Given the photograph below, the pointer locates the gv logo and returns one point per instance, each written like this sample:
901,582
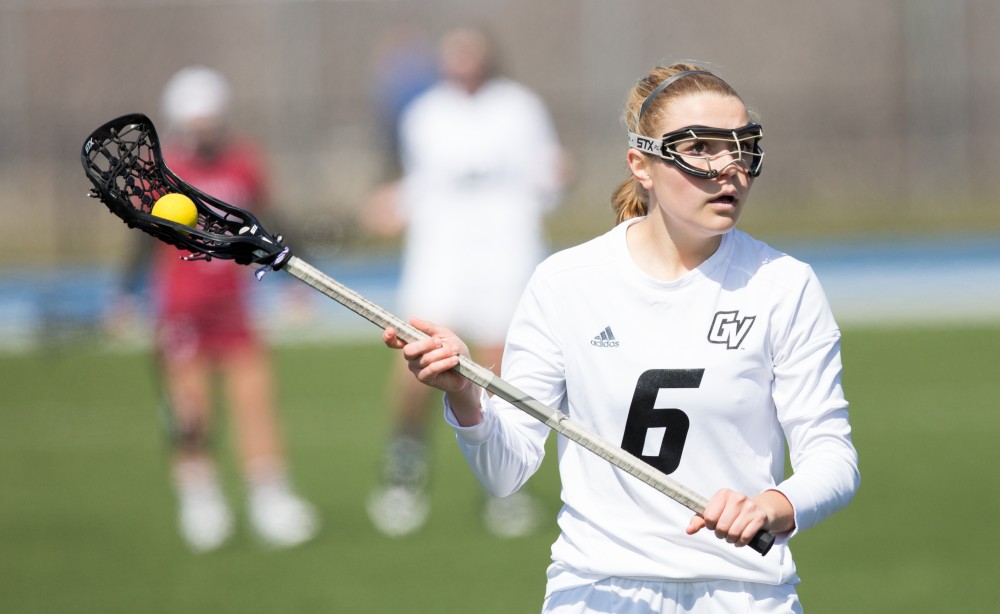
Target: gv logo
730,329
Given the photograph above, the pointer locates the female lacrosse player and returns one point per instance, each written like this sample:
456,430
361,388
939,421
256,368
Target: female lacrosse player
700,349
203,329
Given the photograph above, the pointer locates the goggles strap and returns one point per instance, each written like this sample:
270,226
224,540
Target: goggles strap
666,83
645,144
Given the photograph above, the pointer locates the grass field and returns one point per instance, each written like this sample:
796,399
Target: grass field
87,518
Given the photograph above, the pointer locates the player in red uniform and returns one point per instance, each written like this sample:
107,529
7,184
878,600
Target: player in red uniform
204,329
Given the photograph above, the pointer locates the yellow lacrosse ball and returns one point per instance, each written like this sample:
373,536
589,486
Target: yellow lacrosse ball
176,208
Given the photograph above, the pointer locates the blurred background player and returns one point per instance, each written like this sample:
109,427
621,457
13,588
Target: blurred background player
204,333
481,167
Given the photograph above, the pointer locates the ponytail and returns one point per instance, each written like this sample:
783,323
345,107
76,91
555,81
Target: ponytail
629,200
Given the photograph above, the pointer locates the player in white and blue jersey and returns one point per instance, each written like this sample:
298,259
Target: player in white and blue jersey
482,167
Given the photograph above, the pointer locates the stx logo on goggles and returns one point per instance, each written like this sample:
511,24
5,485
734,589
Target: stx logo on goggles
645,144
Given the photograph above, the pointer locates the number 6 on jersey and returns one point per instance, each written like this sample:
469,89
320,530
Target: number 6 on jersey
648,426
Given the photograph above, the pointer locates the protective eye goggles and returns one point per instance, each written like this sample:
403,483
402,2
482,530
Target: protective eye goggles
697,150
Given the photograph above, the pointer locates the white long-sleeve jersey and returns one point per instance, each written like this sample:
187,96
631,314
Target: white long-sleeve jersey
706,377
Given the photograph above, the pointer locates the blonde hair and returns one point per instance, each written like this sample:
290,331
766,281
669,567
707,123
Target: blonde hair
630,199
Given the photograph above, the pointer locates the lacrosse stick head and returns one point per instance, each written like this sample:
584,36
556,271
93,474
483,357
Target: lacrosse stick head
123,160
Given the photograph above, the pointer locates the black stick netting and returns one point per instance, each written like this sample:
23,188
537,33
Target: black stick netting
122,159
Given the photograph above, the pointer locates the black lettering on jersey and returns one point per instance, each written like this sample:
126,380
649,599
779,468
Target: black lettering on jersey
730,329
643,415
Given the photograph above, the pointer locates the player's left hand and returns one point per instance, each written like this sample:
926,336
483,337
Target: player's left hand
733,516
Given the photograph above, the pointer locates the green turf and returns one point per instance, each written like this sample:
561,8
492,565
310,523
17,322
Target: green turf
87,518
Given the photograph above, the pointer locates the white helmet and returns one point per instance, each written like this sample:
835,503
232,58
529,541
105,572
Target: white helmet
195,92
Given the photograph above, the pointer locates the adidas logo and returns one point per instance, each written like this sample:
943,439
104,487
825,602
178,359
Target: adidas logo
606,339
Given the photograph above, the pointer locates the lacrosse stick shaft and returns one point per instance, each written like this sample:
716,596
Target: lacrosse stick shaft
553,418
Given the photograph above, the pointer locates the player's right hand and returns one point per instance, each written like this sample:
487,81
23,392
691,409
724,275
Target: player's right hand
432,360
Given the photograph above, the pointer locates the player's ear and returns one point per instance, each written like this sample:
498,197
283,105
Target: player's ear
638,163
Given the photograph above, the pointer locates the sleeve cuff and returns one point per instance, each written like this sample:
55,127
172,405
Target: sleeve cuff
477,433
783,537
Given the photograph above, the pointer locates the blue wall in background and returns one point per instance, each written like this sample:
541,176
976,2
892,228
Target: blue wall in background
880,283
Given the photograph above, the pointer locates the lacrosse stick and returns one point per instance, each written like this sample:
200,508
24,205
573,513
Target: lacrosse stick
122,159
